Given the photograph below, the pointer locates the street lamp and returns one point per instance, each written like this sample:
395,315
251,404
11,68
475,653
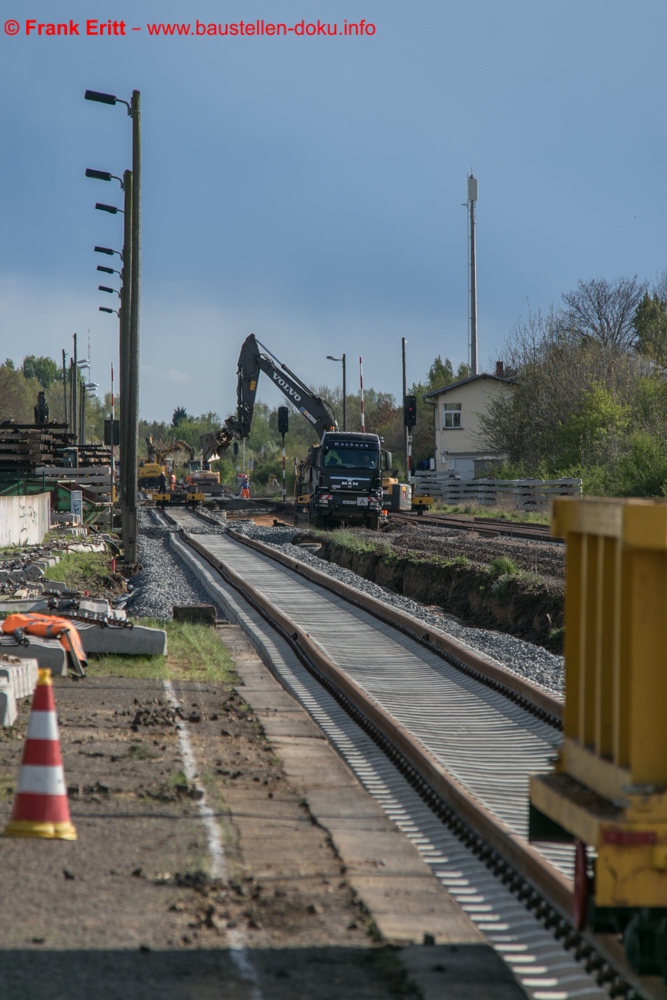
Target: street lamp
331,358
103,175
108,250
105,309
129,318
108,270
111,209
105,288
95,95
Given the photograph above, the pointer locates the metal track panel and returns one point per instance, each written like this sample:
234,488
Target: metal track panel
485,743
545,969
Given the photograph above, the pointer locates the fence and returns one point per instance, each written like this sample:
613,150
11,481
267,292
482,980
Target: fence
490,492
96,479
24,520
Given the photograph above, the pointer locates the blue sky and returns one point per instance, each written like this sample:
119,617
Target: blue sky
310,190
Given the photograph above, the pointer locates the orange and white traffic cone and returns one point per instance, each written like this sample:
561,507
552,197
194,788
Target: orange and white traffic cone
40,807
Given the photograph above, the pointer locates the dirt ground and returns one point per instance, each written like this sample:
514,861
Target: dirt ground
128,909
542,558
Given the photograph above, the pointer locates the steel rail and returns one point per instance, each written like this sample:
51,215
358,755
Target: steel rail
529,696
497,834
430,780
491,527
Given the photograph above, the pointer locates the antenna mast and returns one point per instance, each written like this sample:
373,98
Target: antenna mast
472,198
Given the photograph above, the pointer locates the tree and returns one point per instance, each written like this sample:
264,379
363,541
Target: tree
44,369
650,326
180,414
604,310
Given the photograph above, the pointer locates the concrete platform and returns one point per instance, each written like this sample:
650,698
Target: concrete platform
408,904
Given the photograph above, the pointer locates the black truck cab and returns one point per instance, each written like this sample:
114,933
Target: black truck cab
346,471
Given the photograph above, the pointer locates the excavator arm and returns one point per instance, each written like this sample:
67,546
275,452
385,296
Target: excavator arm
158,453
251,362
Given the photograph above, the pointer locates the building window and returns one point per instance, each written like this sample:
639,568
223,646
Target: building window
451,416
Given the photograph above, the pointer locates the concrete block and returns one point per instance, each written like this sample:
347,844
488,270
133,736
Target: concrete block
137,641
8,711
33,571
21,674
94,606
4,575
22,605
54,586
195,614
48,652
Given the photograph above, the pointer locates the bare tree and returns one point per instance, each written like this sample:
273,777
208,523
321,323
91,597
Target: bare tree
603,310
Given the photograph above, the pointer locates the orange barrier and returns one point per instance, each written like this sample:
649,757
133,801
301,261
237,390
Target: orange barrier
50,627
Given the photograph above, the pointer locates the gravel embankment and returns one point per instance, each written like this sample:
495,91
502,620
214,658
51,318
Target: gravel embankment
165,581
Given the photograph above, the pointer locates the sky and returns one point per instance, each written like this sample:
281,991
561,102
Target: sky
310,189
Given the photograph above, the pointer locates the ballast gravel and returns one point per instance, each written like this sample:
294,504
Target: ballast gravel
165,581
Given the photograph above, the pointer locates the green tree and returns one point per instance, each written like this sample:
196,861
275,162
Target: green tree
650,326
44,369
179,416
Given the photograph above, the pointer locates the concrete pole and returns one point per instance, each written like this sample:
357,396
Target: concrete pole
124,347
65,420
130,535
74,389
344,396
361,390
405,429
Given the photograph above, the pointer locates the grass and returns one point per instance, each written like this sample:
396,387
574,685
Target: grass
195,653
505,513
503,566
80,570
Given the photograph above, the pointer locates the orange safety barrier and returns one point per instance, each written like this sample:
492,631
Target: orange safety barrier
50,627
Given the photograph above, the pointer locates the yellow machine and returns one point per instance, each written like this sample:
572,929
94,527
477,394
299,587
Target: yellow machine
608,791
149,472
176,497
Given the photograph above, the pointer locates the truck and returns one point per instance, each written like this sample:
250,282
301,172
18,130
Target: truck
340,481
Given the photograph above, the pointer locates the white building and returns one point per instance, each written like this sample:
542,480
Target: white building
458,434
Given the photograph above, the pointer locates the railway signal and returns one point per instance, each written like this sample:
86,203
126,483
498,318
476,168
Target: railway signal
410,411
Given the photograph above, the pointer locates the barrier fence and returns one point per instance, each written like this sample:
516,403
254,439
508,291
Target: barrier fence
491,492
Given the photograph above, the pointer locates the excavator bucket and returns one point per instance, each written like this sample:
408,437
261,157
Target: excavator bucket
209,446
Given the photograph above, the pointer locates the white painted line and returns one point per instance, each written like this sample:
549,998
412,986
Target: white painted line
236,937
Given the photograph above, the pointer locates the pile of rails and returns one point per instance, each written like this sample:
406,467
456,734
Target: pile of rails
24,447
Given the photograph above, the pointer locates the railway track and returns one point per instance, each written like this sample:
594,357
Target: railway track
489,526
443,737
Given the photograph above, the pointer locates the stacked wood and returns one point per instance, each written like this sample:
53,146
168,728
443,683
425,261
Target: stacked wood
25,446
94,454
95,479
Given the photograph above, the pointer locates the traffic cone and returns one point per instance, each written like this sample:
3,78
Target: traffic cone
40,807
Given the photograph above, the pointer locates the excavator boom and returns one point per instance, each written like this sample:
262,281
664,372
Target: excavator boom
252,361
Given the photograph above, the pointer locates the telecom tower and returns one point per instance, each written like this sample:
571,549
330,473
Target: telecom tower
472,278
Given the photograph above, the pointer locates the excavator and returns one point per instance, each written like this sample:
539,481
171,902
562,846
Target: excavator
149,472
341,478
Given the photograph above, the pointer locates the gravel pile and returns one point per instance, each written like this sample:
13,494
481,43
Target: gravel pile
523,658
164,579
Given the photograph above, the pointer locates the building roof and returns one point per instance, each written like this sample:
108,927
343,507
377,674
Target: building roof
464,381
